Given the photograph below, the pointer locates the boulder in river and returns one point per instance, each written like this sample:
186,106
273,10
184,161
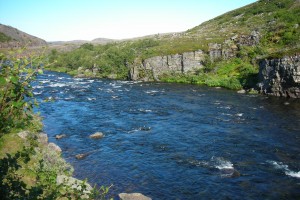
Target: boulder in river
97,135
81,156
241,91
145,128
133,196
60,136
230,173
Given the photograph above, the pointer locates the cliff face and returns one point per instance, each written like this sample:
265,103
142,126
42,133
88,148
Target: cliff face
280,77
152,68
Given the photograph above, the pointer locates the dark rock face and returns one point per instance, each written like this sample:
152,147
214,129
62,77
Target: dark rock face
280,77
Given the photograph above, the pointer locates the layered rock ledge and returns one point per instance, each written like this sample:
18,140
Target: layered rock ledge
280,77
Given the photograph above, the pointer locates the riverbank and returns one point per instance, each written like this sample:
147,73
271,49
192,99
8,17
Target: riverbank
226,77
31,167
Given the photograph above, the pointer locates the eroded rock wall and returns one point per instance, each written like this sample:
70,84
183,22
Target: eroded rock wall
154,67
280,77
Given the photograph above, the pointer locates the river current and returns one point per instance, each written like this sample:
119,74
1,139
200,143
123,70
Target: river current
174,141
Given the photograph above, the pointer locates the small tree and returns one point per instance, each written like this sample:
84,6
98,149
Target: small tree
17,70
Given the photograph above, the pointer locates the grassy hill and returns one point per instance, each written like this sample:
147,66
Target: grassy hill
266,28
11,37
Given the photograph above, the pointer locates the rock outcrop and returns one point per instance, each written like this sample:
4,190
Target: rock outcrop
54,147
229,48
153,68
280,77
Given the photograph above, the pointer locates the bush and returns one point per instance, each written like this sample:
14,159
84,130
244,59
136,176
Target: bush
16,102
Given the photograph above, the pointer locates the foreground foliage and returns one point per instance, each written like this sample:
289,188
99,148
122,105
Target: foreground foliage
16,102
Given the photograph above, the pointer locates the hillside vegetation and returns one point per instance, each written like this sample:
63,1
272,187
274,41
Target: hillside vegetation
12,38
275,25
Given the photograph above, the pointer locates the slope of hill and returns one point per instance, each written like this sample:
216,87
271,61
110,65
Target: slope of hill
275,21
12,38
225,51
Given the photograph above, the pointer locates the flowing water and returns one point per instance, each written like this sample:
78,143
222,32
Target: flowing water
174,141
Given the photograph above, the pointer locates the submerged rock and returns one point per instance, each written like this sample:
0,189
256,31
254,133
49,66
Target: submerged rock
133,196
58,137
230,173
97,135
145,128
81,156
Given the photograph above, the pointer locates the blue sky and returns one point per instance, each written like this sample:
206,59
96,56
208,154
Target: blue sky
55,20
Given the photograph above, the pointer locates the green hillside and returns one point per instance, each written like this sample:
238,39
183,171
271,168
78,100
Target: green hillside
275,25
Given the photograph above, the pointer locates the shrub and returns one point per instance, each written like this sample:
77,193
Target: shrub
16,102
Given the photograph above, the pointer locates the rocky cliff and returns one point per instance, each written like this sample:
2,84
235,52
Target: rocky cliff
16,38
280,77
189,62
153,68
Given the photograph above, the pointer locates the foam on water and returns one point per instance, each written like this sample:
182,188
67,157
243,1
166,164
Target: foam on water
58,85
37,93
38,87
152,91
68,98
285,169
44,81
145,110
91,99
221,163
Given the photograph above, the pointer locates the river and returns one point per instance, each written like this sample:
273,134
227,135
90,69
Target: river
174,141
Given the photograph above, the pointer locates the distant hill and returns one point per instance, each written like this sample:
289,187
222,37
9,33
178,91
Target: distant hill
79,42
11,37
102,41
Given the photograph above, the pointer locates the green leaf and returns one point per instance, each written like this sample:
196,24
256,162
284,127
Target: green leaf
2,81
14,79
40,71
17,104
